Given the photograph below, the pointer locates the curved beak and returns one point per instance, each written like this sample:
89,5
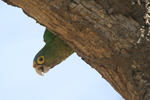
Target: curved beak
40,69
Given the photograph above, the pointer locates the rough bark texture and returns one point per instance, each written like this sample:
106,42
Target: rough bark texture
104,33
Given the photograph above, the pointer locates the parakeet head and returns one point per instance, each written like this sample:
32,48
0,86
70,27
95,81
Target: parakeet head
53,53
45,59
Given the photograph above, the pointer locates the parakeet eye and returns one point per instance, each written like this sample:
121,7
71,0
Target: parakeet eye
40,60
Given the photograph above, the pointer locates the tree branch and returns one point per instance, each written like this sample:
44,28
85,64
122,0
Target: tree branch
104,33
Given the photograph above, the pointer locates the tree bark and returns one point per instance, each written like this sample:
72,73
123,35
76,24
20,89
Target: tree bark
105,34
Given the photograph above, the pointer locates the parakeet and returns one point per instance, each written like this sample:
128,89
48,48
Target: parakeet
53,53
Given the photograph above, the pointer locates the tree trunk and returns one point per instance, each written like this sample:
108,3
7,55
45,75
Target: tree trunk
105,34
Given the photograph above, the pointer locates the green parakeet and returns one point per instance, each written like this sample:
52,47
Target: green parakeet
53,53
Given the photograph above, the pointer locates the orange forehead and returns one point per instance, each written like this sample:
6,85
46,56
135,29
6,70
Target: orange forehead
34,64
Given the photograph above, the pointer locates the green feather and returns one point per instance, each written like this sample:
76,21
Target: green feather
54,51
48,36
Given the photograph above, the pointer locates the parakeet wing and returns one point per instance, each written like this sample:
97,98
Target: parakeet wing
48,36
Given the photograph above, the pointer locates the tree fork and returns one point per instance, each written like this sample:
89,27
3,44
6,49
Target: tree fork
104,33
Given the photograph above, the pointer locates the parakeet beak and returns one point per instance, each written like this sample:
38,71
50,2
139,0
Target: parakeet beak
40,69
